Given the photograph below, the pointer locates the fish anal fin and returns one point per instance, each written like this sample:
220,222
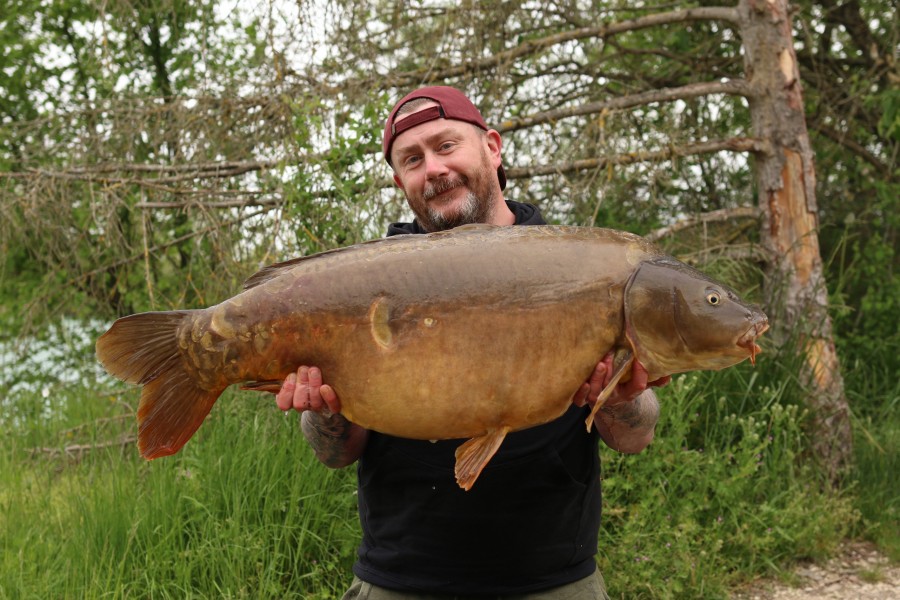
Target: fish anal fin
474,454
273,386
621,367
172,408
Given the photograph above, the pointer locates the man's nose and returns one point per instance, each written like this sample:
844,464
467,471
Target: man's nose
434,166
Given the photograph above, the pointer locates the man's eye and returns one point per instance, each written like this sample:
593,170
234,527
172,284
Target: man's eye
447,145
411,160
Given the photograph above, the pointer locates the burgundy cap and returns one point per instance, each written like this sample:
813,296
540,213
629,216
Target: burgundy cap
452,104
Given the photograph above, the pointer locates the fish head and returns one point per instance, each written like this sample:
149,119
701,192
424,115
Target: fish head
679,319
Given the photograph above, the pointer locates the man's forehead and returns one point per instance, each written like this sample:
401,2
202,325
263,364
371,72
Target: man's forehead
436,131
421,104
436,128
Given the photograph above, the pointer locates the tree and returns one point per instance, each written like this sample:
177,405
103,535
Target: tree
786,178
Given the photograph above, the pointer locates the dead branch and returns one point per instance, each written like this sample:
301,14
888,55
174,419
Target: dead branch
738,144
421,76
738,252
77,451
735,87
852,145
158,247
741,212
96,422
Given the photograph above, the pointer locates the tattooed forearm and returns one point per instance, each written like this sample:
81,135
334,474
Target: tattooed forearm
330,438
641,413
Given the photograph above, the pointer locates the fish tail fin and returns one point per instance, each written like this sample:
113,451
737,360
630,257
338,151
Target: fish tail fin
143,349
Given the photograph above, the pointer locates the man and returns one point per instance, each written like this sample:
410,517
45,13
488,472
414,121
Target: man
529,528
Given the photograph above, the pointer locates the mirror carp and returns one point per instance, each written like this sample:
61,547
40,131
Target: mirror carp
468,333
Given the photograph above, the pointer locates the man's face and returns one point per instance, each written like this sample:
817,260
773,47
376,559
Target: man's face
448,171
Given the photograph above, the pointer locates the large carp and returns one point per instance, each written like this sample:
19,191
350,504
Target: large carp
467,333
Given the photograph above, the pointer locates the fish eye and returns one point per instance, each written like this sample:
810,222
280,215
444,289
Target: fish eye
713,298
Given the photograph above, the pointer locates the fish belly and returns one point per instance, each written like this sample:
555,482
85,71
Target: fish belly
448,346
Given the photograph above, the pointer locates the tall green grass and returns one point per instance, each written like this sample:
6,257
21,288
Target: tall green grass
725,492
244,511
874,395
721,495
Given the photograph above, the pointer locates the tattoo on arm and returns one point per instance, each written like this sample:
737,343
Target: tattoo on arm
640,413
328,436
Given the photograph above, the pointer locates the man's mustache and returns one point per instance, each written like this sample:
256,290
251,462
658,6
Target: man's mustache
439,186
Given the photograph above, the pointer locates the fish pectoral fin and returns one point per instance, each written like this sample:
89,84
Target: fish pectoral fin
622,365
273,386
473,455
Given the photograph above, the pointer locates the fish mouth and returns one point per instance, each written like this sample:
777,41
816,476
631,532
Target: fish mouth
748,340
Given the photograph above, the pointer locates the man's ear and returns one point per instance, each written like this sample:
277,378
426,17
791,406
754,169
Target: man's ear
495,145
399,182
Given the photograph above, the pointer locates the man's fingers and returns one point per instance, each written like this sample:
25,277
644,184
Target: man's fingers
638,377
301,392
314,389
304,391
285,396
599,378
329,396
664,380
581,395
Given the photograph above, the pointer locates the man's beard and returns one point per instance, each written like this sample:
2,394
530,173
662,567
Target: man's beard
477,207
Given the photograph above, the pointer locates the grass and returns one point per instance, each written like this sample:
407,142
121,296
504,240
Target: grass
720,496
725,493
244,511
876,455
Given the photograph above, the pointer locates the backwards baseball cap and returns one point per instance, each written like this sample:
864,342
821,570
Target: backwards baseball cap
452,104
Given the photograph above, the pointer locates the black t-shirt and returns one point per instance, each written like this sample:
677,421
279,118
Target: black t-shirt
529,523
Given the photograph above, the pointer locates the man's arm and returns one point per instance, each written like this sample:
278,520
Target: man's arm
627,421
336,441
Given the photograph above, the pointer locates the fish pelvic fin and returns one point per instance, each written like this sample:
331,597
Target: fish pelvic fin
143,349
474,455
272,386
621,365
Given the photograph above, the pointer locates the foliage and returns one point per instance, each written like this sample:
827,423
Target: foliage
720,494
156,153
244,510
229,517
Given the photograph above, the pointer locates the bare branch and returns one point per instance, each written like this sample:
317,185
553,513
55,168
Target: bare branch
529,47
158,247
738,144
852,145
741,212
77,451
737,87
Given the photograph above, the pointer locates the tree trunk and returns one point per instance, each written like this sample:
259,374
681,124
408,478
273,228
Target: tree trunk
796,291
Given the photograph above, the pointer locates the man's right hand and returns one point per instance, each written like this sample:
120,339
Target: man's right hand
336,441
305,391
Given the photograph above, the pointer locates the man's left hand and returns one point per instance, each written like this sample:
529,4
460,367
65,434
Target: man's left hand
624,392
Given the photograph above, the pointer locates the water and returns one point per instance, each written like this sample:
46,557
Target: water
43,367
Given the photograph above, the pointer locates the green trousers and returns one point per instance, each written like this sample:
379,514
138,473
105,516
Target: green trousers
589,588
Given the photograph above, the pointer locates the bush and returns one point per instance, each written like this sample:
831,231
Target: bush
719,496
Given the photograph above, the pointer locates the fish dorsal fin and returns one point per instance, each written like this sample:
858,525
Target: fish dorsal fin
473,455
275,270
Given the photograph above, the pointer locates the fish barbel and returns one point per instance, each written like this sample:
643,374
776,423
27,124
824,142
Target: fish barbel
437,336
